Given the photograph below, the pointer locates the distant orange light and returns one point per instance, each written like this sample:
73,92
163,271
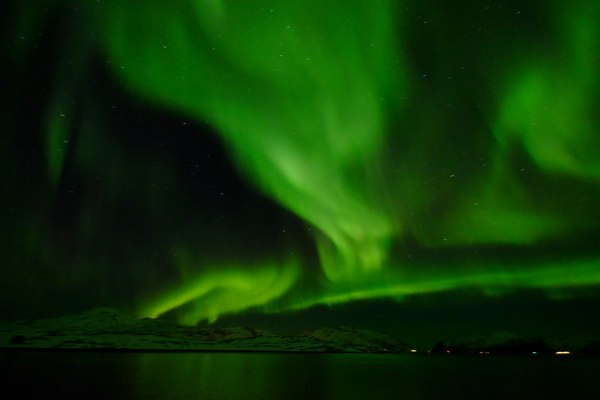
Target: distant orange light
562,352
413,350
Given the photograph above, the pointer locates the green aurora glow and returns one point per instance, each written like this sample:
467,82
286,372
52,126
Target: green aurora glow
407,138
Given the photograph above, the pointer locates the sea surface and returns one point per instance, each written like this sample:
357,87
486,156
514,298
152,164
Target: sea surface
249,376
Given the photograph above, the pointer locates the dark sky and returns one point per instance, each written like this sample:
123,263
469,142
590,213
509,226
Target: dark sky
424,169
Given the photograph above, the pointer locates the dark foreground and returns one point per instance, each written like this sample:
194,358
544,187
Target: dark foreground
295,376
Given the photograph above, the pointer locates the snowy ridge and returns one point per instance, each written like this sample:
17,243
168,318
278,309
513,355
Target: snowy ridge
108,329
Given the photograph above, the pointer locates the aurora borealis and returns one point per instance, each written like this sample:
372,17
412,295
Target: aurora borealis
205,158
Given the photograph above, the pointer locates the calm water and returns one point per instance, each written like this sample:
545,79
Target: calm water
295,376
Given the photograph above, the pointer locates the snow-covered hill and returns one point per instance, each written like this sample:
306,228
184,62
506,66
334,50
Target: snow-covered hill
108,329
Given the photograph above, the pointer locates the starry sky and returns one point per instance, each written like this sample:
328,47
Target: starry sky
419,168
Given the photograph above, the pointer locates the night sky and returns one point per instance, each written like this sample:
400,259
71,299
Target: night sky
428,169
